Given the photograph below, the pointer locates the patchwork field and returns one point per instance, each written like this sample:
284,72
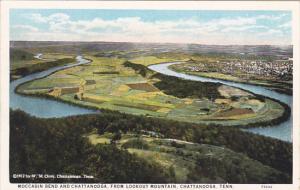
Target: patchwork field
106,83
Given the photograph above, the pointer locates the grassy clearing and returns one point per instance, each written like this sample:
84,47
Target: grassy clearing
150,60
143,87
23,59
181,158
24,63
53,82
21,65
55,56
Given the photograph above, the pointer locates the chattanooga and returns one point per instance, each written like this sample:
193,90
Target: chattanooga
155,125
68,176
198,186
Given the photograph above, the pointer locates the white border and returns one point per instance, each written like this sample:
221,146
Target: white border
293,6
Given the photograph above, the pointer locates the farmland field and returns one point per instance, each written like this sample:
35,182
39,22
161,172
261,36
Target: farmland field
120,85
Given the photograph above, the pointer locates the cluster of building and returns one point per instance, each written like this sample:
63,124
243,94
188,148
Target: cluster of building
280,69
59,91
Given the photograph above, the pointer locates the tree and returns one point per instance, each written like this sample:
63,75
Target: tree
117,136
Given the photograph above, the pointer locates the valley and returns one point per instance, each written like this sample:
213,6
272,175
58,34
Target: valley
113,103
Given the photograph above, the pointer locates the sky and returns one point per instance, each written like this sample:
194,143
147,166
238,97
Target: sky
162,26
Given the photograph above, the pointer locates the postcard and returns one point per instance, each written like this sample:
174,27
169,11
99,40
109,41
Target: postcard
149,95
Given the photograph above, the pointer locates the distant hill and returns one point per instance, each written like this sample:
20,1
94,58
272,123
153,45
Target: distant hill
278,52
17,54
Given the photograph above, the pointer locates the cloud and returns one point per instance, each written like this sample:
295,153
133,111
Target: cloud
240,21
285,25
25,28
61,22
60,26
271,32
271,17
243,28
56,17
59,17
36,18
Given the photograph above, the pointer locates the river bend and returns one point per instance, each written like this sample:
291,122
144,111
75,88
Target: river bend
47,108
281,131
42,107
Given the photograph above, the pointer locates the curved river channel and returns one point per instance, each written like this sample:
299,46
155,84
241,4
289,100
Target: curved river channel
281,131
42,107
47,108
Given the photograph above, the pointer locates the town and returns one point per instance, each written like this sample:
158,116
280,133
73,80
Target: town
275,70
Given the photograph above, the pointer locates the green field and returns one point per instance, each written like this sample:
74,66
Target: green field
23,62
106,83
150,60
121,88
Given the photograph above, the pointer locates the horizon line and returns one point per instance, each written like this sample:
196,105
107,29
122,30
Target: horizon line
179,43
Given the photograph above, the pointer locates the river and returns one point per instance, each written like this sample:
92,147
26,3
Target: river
47,108
42,107
281,131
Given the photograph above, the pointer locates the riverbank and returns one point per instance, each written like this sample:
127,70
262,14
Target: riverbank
272,85
284,117
181,93
148,74
38,67
41,106
280,131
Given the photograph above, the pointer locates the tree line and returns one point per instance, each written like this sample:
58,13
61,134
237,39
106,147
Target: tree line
58,145
178,87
